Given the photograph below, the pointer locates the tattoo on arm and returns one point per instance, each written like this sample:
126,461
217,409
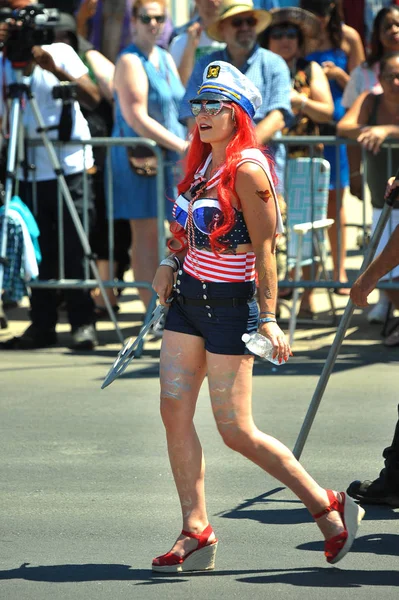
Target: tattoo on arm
267,293
267,280
264,195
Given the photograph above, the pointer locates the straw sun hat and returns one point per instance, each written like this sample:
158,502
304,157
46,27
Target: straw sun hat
232,8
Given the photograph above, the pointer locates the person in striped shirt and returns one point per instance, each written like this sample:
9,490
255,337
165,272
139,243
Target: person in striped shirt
227,220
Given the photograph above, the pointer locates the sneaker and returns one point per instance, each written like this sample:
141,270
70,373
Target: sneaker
373,492
32,339
84,338
379,311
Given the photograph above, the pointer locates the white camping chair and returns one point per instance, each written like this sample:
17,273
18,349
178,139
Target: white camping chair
306,195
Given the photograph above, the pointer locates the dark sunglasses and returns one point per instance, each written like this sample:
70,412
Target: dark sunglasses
211,107
238,22
278,33
146,19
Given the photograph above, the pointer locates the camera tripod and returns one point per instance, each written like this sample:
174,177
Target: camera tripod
17,91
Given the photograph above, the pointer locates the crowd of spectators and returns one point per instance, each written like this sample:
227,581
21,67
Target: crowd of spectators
310,59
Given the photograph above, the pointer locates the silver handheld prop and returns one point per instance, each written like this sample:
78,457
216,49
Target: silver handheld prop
126,354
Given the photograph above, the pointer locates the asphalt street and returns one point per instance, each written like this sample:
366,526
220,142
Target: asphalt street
87,494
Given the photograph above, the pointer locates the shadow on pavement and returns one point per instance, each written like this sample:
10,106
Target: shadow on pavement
295,516
328,577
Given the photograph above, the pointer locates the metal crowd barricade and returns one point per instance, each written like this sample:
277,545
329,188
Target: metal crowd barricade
88,283
311,142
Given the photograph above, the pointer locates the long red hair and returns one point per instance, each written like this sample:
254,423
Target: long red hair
198,151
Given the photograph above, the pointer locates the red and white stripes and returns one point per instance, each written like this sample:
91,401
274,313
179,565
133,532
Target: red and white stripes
223,268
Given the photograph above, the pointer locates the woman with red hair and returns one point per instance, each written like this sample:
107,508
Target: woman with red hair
227,220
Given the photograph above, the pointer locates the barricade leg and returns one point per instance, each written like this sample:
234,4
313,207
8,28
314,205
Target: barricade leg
320,248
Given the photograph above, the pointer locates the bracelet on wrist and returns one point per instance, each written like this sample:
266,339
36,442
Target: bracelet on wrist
267,312
266,320
303,103
177,262
354,174
169,262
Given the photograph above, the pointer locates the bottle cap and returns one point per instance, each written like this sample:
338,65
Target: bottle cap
245,337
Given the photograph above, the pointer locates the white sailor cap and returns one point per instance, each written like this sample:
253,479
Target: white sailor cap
222,81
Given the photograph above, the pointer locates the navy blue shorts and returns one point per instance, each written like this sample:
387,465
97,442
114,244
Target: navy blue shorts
221,326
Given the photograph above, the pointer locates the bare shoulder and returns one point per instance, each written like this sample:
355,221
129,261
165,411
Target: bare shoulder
128,60
253,187
129,64
317,70
129,67
250,173
366,99
350,35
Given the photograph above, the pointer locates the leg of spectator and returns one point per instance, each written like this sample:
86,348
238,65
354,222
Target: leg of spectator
103,267
307,308
43,301
340,275
145,257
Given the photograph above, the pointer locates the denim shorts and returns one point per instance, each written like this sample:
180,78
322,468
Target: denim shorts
221,326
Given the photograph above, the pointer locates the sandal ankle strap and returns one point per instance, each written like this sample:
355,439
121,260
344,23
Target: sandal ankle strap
334,505
201,537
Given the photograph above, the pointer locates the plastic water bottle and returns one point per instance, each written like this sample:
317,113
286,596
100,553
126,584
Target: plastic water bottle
261,346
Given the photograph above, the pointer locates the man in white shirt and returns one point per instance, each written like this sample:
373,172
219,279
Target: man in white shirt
51,64
189,46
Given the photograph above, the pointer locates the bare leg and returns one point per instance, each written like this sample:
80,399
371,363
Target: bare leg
183,370
105,275
334,196
144,253
230,386
307,295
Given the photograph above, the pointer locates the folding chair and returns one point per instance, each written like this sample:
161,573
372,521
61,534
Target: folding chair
306,195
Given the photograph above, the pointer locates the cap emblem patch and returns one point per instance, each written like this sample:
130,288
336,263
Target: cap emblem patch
213,72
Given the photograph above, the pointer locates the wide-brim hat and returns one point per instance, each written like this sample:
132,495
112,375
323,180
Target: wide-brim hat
231,8
306,21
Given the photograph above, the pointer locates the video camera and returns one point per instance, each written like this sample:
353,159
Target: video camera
30,26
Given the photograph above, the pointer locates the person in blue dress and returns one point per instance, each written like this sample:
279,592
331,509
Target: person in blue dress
338,50
148,91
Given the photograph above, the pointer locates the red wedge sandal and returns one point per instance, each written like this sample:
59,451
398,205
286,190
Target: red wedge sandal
201,558
351,515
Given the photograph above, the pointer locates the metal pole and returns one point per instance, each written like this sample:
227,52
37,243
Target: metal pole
343,326
15,116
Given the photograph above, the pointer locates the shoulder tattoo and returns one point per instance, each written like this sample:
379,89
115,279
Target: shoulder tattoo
264,195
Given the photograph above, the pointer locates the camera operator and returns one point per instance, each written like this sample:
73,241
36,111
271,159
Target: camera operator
46,67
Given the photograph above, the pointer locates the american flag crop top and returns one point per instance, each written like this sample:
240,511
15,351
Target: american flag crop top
224,268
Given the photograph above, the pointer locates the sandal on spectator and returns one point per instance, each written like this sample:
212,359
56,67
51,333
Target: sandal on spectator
306,313
101,312
393,338
285,293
